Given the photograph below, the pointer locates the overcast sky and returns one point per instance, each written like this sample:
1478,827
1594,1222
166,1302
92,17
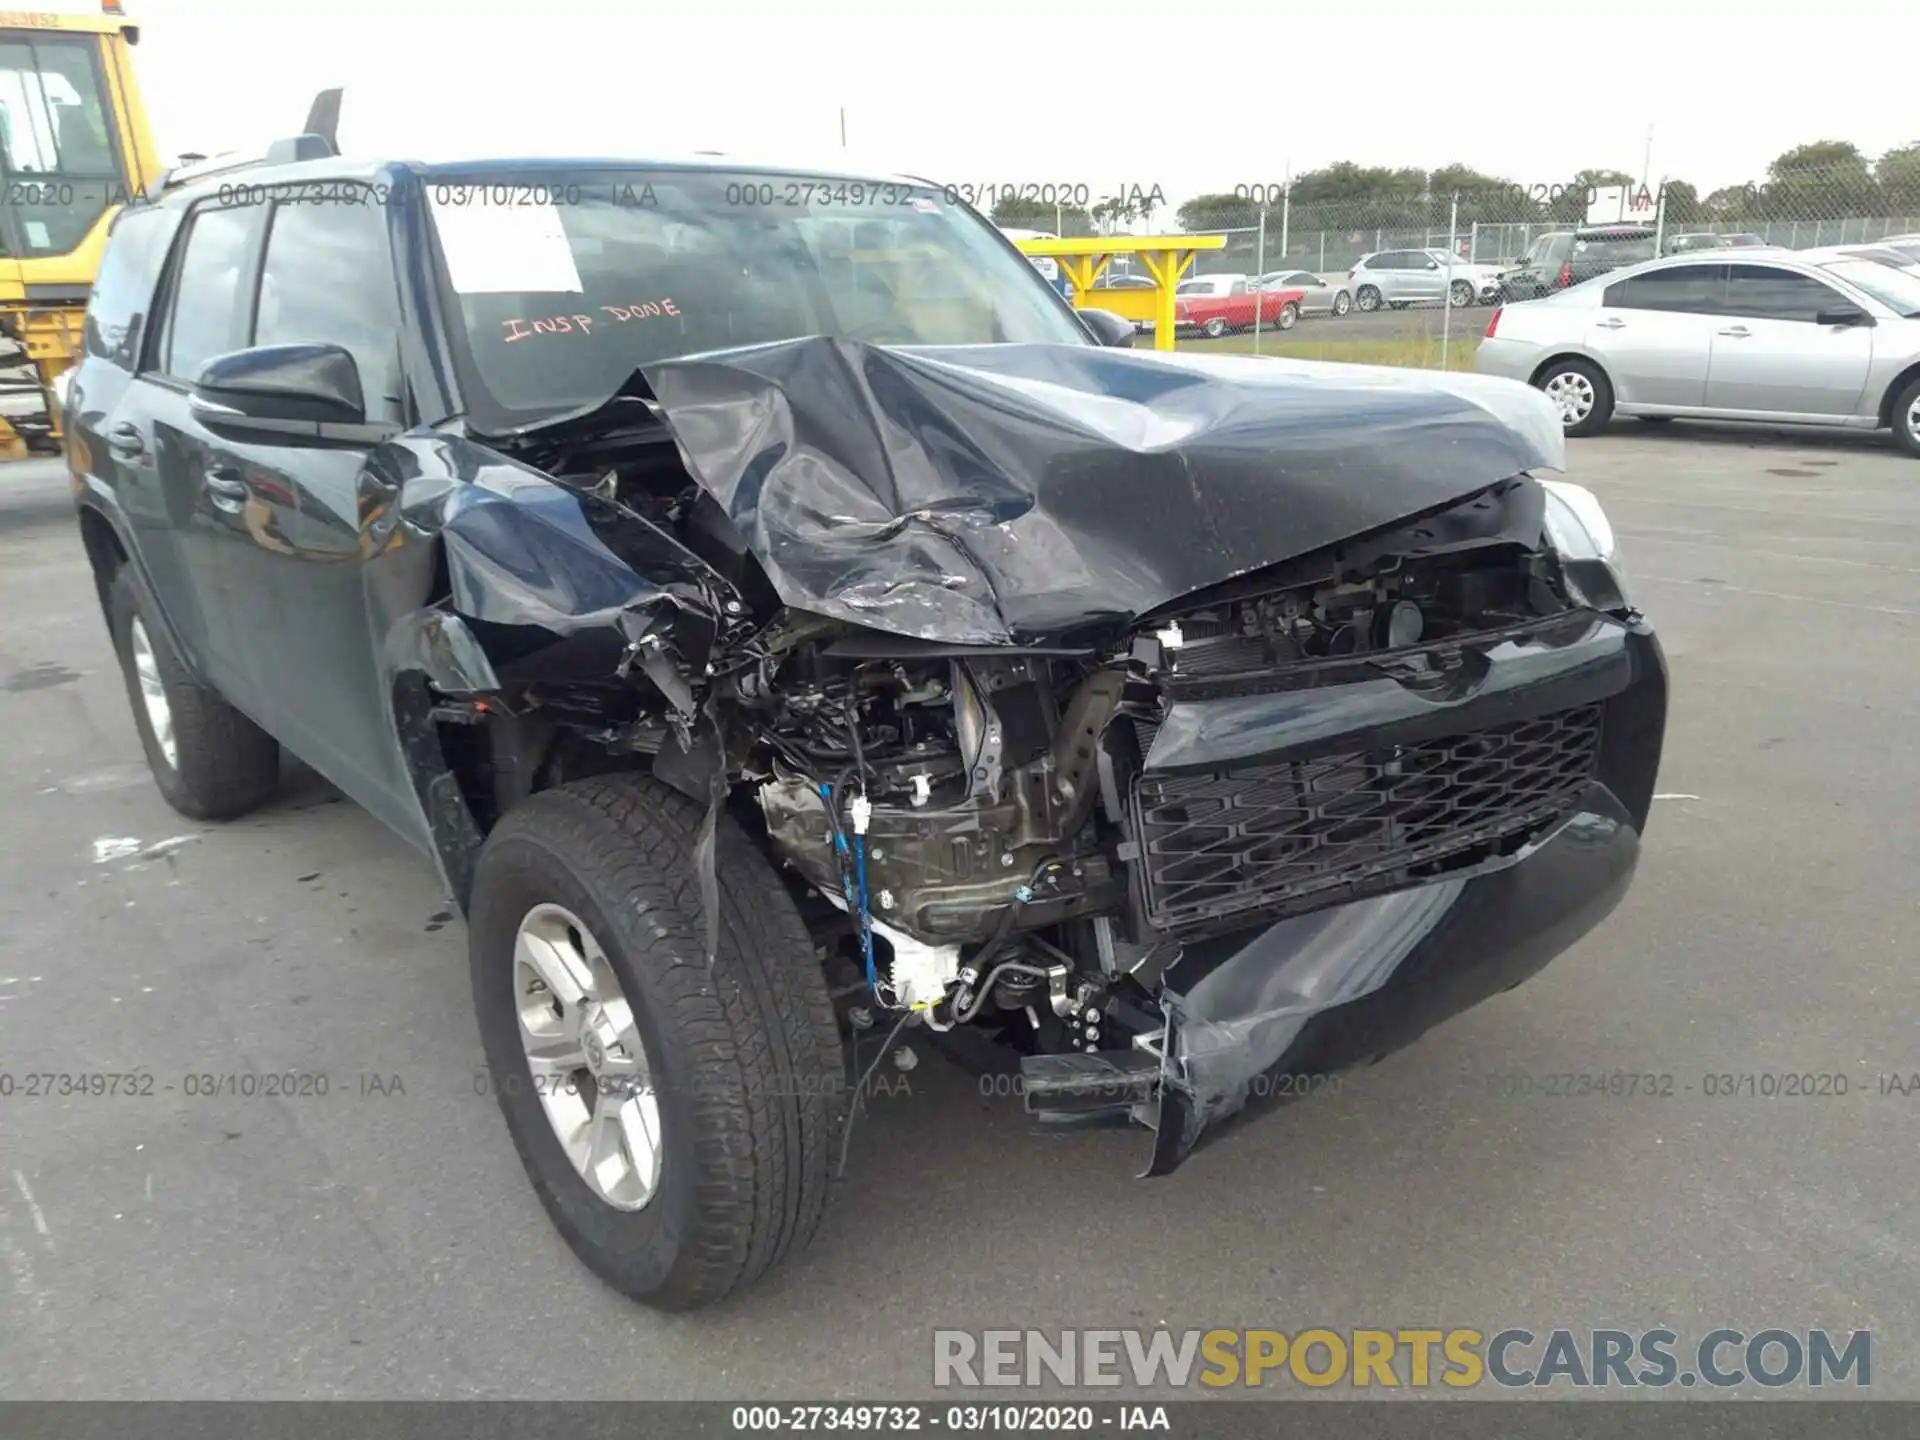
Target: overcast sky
988,92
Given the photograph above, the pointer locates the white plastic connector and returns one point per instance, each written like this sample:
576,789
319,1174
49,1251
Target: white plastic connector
922,790
862,814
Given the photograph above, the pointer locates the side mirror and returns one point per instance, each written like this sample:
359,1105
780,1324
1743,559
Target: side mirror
286,394
1848,315
1108,328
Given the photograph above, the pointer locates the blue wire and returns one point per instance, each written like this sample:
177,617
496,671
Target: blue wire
858,905
866,915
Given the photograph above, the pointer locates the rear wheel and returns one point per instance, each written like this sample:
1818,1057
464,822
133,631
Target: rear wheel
209,761
1580,392
1367,298
678,1122
1906,417
1214,328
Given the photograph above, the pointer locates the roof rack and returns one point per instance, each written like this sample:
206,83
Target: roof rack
316,142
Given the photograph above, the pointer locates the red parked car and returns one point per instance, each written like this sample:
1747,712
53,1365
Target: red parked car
1216,305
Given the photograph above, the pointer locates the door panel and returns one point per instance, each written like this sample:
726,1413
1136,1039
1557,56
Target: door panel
1654,332
1771,354
1653,357
306,630
170,468
1788,367
326,278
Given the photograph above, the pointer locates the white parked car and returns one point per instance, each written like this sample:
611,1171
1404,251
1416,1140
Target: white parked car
1823,341
1399,278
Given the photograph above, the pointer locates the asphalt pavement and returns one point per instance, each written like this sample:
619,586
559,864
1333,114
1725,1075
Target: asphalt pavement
379,1240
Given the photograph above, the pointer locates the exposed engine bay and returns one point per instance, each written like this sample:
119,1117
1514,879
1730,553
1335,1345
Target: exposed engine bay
964,823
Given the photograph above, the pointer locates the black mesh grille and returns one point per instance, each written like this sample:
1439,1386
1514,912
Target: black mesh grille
1224,845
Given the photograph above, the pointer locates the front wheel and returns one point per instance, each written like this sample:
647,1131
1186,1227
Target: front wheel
1906,418
1580,392
1289,315
679,1122
1461,294
1342,303
1368,299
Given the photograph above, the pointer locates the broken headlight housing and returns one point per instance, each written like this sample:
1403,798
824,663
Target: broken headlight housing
1576,523
1578,530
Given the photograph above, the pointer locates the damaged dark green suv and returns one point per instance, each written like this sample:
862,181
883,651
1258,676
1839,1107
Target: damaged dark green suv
785,624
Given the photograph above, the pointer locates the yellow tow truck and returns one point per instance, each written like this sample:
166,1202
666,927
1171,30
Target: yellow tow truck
74,147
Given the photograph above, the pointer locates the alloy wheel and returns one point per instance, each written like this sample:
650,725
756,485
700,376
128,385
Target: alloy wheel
153,692
588,1065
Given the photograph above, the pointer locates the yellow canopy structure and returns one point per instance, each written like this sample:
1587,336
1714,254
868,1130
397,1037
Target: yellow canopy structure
1166,258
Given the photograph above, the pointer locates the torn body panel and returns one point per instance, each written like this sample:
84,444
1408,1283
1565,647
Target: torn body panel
1143,716
1007,494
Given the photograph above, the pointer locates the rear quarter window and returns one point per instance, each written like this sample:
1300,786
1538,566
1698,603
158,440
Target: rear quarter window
123,292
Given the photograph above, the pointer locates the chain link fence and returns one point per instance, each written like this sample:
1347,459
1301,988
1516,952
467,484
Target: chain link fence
1399,267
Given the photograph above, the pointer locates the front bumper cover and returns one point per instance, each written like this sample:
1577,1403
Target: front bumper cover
1253,1017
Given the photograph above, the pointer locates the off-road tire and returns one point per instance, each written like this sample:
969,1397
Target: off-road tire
224,765
745,1057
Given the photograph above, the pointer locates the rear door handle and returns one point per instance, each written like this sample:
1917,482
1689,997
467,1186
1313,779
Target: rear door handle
1738,332
228,490
126,440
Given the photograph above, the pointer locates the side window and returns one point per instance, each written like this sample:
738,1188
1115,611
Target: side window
123,290
1388,260
1683,289
207,311
1299,278
1239,287
1760,292
327,279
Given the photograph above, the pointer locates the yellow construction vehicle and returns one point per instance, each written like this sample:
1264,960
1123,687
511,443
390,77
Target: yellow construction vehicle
74,147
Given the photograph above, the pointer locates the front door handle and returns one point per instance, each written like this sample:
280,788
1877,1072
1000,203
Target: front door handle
228,490
1738,332
126,440
1611,323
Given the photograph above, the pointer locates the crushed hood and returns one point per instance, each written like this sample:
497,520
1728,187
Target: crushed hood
1003,494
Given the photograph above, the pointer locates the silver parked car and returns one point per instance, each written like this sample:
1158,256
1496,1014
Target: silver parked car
1321,296
1419,277
1826,341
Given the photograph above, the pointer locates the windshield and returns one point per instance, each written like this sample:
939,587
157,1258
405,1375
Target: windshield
58,166
1898,290
565,283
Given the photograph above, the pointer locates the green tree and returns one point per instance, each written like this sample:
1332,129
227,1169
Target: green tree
1016,212
1898,175
1824,180
1216,212
1682,204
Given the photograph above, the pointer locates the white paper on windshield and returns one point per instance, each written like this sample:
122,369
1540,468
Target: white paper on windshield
503,249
